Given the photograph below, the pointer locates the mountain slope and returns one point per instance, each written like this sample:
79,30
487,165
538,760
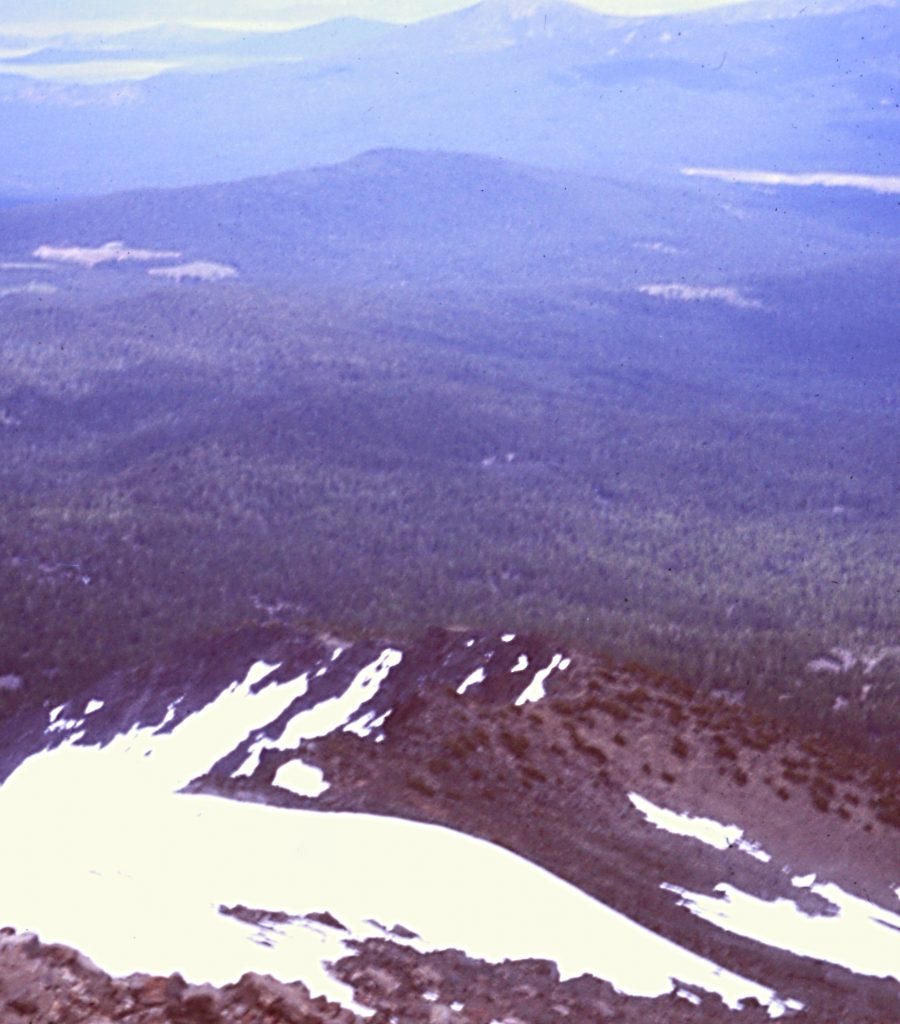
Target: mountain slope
598,774
395,215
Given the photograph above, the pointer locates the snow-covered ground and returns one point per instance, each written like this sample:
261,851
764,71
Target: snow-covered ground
696,293
858,935
92,256
535,690
201,270
886,184
102,852
706,830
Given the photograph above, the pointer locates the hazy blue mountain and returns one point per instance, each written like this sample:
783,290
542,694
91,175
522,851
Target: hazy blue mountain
398,215
553,84
166,42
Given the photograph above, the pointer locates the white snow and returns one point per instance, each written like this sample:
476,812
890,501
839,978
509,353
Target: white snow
65,725
302,779
110,252
707,830
661,247
691,997
367,724
862,936
93,706
508,638
326,716
883,183
521,664
472,679
693,293
202,270
842,659
535,690
146,869
56,712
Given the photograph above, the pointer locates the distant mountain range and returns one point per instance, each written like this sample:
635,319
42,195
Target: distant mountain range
790,88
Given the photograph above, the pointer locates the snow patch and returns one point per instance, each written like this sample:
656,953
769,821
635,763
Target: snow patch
707,830
93,706
535,690
521,664
200,270
110,252
472,679
696,293
886,184
367,724
302,779
862,936
65,725
328,715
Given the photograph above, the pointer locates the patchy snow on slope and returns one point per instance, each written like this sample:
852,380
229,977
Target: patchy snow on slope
886,184
110,252
201,270
861,936
328,715
535,690
65,725
521,664
366,724
707,830
93,706
147,869
843,659
696,293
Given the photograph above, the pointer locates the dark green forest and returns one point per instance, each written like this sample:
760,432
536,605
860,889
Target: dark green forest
709,491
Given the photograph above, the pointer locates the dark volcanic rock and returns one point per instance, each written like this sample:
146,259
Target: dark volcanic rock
44,984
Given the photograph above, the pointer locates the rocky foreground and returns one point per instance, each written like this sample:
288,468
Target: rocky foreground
52,984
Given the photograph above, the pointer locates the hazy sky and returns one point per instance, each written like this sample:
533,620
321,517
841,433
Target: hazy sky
59,15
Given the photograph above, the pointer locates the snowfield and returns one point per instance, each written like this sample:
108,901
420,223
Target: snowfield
102,853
